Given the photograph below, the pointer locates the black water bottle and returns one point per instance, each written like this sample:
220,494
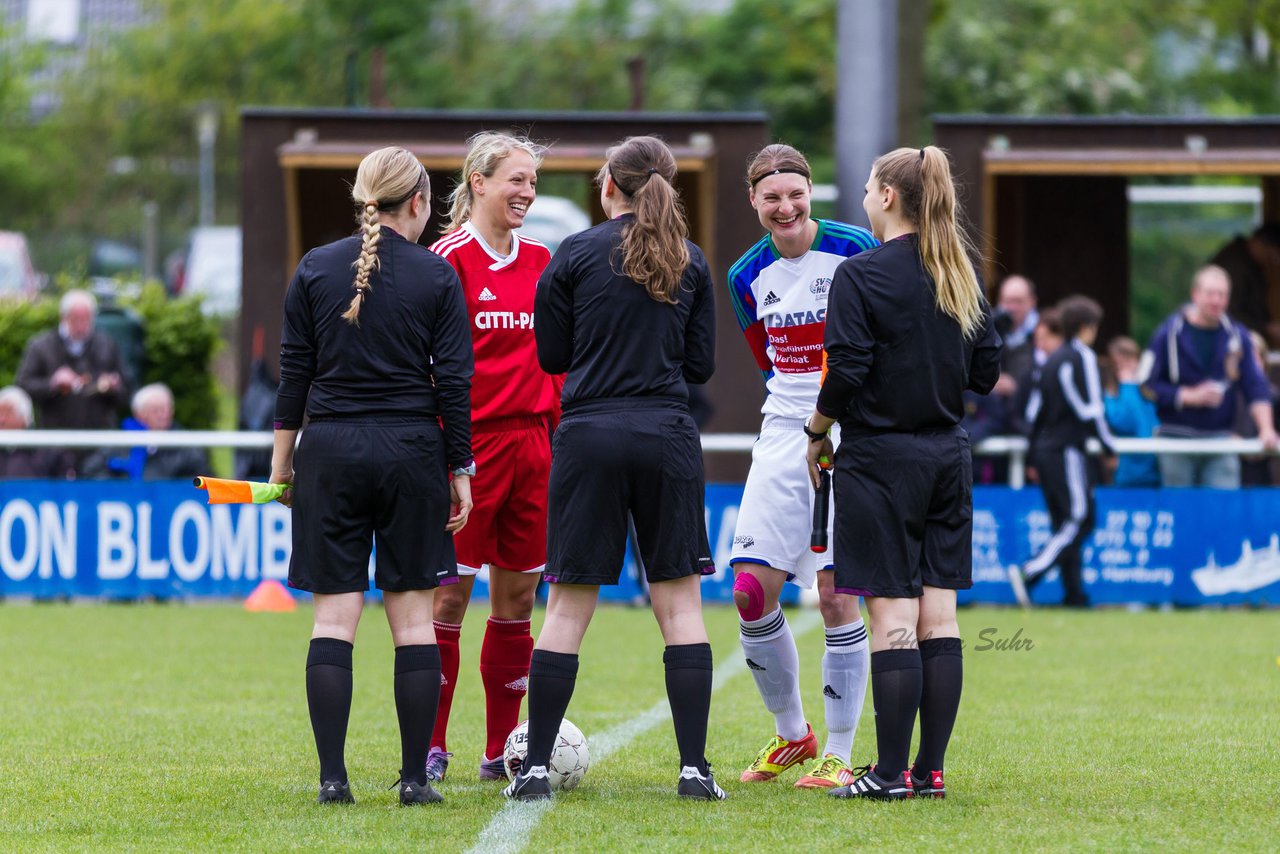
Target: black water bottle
821,512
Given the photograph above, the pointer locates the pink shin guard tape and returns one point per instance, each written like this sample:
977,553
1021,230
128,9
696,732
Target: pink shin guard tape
749,585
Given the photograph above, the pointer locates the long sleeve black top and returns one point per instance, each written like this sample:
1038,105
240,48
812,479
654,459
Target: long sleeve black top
410,357
1067,406
895,361
610,337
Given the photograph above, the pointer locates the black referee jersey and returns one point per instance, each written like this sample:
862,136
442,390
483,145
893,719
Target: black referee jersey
1066,406
613,339
409,358
895,361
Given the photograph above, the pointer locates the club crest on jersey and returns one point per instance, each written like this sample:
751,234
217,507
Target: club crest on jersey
486,295
771,299
820,286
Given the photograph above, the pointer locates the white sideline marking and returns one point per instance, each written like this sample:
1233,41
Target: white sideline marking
511,827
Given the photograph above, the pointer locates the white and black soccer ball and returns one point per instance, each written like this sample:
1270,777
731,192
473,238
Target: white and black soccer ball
569,758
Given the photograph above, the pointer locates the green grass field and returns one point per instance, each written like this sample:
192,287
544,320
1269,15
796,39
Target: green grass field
185,728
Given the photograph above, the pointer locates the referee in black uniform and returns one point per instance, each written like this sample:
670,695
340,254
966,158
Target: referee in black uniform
376,372
626,309
908,331
1065,410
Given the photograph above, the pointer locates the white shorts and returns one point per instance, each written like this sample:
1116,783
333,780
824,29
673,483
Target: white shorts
776,514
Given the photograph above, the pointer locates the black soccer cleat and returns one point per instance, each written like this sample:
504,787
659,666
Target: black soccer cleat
929,786
531,785
411,793
872,785
698,787
335,792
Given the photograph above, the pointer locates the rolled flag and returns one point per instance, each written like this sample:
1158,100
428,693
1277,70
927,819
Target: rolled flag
240,491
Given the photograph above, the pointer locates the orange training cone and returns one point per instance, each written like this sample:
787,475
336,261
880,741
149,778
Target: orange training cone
270,595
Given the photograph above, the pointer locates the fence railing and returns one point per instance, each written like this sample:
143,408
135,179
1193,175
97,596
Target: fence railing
1013,447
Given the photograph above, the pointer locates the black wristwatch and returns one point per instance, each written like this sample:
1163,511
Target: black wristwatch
813,437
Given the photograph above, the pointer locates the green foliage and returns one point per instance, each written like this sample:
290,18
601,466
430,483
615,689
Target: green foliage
180,343
20,321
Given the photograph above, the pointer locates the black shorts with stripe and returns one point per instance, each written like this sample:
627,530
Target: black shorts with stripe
904,512
619,458
361,482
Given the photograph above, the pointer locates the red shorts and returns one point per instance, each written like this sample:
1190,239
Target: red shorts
508,525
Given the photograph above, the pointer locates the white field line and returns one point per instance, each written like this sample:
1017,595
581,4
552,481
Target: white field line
513,825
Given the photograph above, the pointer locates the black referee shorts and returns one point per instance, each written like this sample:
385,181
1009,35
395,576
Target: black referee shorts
357,480
904,513
606,465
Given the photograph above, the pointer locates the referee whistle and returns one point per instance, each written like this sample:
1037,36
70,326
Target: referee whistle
821,509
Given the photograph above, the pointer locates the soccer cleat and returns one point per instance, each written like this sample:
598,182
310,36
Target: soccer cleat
830,772
411,793
491,769
872,785
335,792
531,785
437,764
779,755
697,787
1019,586
928,787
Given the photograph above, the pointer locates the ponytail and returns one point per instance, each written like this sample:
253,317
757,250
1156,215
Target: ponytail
922,179
654,252
387,178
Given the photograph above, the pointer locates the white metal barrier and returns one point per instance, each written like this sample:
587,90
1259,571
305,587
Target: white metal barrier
1014,447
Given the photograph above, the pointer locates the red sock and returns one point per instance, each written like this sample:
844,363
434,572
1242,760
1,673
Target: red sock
447,638
504,668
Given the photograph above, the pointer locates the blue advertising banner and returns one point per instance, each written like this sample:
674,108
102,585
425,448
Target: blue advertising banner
133,540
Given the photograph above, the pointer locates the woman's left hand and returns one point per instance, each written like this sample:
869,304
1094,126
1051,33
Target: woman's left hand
283,475
818,455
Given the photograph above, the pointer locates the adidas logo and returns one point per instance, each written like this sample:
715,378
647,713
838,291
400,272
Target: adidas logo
486,295
769,299
828,691
754,666
521,684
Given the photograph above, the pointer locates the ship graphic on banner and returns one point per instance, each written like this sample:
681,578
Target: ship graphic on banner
1253,571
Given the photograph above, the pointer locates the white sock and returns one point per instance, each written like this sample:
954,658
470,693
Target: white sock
771,657
845,667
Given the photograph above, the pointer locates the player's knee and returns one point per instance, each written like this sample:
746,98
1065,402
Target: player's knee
748,596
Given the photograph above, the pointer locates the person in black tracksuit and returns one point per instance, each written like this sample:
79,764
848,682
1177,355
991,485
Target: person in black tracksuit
626,310
908,332
1065,410
375,373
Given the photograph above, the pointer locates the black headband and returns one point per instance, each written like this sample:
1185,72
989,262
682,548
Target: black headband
783,170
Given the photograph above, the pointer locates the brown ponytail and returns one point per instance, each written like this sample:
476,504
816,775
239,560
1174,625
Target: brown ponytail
387,178
922,179
654,252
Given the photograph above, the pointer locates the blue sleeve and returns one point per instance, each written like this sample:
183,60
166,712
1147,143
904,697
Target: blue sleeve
1255,385
1158,381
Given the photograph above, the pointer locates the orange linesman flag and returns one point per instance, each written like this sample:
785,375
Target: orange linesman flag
240,491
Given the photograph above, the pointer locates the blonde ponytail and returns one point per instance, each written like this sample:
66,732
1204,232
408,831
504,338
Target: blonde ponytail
485,151
922,179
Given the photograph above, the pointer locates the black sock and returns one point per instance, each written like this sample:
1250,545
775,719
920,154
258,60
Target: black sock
942,665
689,692
417,690
329,701
895,692
551,679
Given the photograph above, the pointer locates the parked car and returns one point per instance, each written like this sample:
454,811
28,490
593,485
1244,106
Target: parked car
552,218
211,269
18,278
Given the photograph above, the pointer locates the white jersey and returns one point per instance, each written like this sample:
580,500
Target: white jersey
781,305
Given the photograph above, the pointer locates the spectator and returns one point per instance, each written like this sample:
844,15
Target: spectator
1199,358
1130,413
73,373
1017,302
16,413
1044,342
1251,262
1256,470
152,410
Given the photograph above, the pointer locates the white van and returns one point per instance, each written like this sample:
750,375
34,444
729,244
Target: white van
213,268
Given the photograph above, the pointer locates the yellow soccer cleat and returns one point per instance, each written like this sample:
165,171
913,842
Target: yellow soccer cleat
831,772
779,755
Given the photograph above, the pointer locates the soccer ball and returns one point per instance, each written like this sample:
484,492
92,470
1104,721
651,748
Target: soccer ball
569,758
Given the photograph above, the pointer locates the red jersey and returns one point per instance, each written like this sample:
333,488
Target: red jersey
499,292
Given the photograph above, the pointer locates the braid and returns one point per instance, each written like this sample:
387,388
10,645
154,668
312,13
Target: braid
367,262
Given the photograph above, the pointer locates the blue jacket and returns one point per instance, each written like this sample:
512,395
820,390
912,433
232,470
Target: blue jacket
1131,414
1174,364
